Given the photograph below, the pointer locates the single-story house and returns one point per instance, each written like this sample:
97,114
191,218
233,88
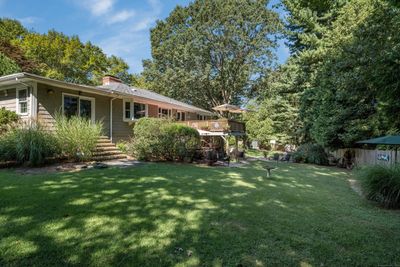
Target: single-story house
116,104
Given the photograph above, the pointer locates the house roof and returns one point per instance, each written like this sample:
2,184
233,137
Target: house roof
113,90
143,93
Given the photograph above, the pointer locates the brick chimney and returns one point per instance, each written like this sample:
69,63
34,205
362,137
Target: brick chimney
108,79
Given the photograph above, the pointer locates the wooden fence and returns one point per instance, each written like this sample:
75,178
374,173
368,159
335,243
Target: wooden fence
369,156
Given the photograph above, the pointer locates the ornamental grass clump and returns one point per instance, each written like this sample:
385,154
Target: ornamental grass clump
77,136
28,144
8,119
381,183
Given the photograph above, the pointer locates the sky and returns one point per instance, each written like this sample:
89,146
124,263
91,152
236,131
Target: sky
119,27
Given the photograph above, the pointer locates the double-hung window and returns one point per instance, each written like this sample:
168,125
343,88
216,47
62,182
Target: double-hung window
127,110
133,110
22,101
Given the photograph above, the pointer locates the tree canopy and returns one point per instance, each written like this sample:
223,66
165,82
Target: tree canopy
212,52
56,55
343,71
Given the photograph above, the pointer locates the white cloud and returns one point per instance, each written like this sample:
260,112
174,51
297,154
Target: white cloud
98,7
124,32
121,16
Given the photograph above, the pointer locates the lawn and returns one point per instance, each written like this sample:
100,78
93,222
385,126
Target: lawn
186,215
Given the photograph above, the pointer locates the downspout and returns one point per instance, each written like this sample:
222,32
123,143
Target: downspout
111,118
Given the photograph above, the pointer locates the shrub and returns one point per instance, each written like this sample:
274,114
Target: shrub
28,144
179,141
381,184
311,153
161,139
7,118
123,147
146,143
77,136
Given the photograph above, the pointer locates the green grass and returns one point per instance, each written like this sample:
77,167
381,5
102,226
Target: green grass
143,216
256,153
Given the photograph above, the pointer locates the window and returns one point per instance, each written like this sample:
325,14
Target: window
164,113
134,111
180,116
127,110
139,110
71,106
200,117
78,106
22,101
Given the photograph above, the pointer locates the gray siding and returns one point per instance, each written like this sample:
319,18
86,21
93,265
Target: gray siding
8,100
50,104
121,130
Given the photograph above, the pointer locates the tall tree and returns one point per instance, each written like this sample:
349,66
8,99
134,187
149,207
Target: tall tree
58,56
212,52
275,112
348,57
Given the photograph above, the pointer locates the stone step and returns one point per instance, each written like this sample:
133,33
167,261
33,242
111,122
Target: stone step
104,141
104,158
105,145
107,153
106,148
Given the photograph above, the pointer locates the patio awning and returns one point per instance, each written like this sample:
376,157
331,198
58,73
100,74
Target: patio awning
384,140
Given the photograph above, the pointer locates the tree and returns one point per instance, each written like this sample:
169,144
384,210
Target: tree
56,55
347,54
11,29
17,56
7,65
212,52
275,112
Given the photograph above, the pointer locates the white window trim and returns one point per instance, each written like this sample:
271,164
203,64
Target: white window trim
132,111
18,101
123,110
180,116
160,114
93,118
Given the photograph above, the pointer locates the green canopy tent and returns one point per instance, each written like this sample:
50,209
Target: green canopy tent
384,140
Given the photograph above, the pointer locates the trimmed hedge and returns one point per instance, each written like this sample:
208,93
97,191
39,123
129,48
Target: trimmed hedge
161,139
311,153
381,183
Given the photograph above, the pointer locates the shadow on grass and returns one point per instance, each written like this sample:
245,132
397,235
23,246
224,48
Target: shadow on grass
169,214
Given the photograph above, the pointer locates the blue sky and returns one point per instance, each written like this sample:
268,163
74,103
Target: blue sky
119,27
